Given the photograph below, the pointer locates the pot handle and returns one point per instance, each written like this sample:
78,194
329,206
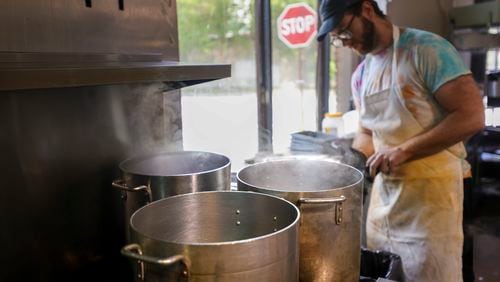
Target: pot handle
338,201
121,185
134,251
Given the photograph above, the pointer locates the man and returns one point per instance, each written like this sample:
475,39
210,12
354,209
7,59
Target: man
417,103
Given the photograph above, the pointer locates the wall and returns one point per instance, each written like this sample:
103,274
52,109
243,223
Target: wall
61,219
430,15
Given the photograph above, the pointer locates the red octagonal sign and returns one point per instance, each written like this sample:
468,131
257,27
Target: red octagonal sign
297,25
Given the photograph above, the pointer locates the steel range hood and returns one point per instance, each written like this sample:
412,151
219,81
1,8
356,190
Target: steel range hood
23,71
57,44
83,85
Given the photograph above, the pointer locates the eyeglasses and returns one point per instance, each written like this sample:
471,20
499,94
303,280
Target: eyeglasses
338,39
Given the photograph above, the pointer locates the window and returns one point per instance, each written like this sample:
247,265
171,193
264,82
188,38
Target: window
221,116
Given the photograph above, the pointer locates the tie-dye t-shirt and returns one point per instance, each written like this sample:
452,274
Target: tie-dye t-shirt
426,61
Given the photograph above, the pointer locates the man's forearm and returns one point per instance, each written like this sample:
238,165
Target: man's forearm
453,129
363,142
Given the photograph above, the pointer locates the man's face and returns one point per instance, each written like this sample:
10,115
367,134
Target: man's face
360,33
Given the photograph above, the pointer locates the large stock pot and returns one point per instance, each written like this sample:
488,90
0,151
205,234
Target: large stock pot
329,197
216,236
156,176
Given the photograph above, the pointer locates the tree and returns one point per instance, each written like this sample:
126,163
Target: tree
224,31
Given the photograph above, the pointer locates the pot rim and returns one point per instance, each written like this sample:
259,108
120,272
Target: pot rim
122,163
238,178
225,243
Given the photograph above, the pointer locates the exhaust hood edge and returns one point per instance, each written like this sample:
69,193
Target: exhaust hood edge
175,74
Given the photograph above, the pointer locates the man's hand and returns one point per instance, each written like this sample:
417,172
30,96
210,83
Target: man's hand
386,160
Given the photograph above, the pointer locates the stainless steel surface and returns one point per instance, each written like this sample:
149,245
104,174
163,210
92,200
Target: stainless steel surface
171,173
174,74
471,25
337,201
140,194
121,185
60,150
263,247
60,146
483,14
135,252
144,26
59,43
474,40
330,228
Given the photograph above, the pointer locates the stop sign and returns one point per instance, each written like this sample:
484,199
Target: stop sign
297,25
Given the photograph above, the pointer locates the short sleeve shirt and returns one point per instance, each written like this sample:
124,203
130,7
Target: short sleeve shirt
426,61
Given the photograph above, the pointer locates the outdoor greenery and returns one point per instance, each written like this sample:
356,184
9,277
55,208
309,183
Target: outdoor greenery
216,29
223,31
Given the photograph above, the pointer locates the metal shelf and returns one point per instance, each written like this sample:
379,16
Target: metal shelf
477,15
39,71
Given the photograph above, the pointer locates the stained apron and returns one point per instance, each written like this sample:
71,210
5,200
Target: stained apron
416,210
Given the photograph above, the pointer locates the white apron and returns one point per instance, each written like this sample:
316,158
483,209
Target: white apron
416,211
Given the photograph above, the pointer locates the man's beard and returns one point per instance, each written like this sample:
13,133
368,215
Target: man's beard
368,38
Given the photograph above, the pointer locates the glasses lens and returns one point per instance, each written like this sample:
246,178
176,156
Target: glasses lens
344,36
337,42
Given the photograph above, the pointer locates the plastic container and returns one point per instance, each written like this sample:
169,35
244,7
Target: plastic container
333,124
351,123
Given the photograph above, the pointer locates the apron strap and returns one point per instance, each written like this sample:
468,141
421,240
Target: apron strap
395,39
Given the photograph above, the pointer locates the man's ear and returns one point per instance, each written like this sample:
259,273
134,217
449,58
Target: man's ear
367,10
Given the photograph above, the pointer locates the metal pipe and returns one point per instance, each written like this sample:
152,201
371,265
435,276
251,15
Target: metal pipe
322,76
263,49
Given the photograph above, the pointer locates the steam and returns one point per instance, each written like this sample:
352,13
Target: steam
300,175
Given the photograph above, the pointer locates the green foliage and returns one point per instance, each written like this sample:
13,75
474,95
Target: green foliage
223,31
215,29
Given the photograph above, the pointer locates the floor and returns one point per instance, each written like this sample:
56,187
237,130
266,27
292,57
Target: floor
485,230
482,207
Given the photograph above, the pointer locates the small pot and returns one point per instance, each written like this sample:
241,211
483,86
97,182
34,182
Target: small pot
153,177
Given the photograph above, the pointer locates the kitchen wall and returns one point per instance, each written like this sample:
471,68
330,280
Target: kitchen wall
60,147
430,15
61,219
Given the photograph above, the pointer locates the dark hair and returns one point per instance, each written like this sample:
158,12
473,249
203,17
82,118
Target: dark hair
356,8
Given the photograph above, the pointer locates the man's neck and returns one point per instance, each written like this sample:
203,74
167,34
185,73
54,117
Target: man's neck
384,33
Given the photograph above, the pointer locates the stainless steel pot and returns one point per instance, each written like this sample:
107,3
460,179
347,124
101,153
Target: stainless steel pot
329,197
216,236
157,176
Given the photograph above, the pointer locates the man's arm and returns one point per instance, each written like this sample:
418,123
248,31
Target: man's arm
461,100
363,141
